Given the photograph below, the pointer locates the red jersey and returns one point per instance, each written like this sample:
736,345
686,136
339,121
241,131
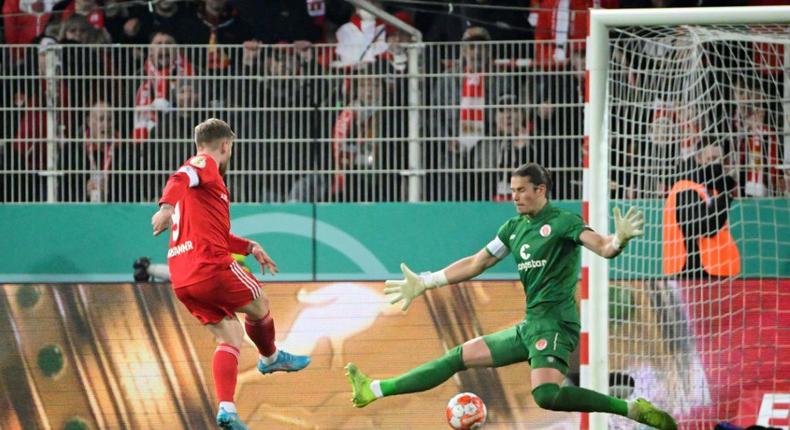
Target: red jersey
200,240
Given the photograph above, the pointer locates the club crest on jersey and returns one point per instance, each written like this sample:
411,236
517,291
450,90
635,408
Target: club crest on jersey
199,161
545,231
541,344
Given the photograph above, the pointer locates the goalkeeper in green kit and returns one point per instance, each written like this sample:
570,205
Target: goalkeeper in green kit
544,241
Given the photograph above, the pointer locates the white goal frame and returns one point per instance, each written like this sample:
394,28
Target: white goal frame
596,175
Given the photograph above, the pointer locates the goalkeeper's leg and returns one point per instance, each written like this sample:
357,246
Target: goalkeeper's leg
550,343
548,394
494,350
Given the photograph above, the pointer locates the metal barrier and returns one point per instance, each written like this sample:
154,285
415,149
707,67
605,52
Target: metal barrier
426,122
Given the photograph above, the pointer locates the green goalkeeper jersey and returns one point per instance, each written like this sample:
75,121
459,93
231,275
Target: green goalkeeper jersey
547,254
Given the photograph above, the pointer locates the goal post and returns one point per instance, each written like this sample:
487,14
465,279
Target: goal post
681,89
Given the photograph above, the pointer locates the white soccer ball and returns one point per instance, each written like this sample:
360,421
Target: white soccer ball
466,411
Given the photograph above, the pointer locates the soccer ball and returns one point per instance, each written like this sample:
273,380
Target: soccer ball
466,411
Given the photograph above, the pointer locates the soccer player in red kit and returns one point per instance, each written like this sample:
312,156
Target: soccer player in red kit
196,207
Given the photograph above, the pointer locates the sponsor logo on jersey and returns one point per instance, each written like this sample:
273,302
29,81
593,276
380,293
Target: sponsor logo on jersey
541,344
523,252
545,231
531,264
528,264
199,161
224,196
180,249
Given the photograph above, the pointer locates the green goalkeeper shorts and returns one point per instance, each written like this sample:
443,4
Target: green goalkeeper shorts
542,342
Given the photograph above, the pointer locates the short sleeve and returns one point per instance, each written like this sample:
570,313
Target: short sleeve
500,245
200,169
575,227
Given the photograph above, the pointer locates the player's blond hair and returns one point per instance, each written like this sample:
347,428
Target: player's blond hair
211,132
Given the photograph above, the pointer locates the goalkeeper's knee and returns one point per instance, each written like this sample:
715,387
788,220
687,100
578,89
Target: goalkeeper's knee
455,359
546,395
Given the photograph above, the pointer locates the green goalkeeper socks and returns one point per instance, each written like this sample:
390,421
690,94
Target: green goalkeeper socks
547,396
575,399
425,376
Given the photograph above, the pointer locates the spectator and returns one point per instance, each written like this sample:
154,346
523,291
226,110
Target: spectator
84,66
179,121
89,9
439,26
556,126
396,54
97,169
512,130
287,21
164,65
556,24
120,25
277,121
361,40
28,150
696,237
506,24
759,153
628,181
171,16
76,29
24,20
219,24
360,142
633,132
170,141
461,118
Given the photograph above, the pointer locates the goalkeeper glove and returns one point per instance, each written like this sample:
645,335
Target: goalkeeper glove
627,227
412,285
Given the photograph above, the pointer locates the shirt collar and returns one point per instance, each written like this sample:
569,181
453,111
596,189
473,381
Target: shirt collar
540,215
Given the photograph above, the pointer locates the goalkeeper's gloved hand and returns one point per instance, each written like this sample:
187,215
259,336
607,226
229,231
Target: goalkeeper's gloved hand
412,285
627,227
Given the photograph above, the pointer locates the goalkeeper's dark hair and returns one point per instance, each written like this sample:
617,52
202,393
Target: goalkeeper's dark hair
537,174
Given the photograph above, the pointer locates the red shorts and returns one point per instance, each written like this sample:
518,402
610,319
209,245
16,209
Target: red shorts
221,295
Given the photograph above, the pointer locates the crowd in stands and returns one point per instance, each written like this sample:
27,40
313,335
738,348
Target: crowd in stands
318,94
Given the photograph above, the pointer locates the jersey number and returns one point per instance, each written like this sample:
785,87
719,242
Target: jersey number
175,218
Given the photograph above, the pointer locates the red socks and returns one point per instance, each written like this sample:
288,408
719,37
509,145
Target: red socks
262,334
226,357
225,367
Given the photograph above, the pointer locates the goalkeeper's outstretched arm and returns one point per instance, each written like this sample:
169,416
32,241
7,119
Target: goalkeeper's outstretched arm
469,267
625,228
413,285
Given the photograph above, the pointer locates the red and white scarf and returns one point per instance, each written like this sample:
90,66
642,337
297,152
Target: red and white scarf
759,157
347,153
472,116
94,148
156,87
100,160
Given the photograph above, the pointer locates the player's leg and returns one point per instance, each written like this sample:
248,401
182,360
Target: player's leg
549,346
423,377
259,326
486,351
225,365
199,300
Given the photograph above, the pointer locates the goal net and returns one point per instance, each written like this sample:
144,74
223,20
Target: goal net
696,121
